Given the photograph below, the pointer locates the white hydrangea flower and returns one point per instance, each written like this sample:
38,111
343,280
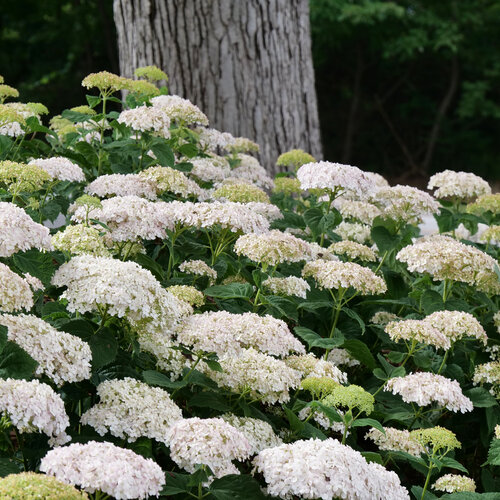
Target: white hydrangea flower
251,170
262,376
227,334
34,407
353,250
272,248
445,258
210,441
123,289
456,325
383,317
289,286
60,168
419,330
104,467
332,177
146,119
60,356
426,388
15,292
260,434
180,110
269,211
80,239
124,410
106,186
212,139
321,419
353,231
199,268
462,185
453,483
488,373
359,211
339,357
211,169
395,440
332,274
327,470
169,180
311,366
20,232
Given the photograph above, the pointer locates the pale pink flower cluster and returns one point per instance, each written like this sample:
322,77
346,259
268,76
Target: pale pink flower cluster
453,483
226,333
456,325
405,203
325,469
166,179
353,250
395,440
34,407
180,110
251,170
124,410
20,232
15,292
462,185
211,169
60,356
418,330
122,289
146,119
311,366
121,185
272,248
260,375
360,211
445,258
425,388
260,434
199,268
354,231
332,177
332,274
104,467
289,286
60,168
210,441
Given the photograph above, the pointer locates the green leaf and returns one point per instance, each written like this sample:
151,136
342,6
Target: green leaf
359,350
93,100
312,218
213,365
175,483
285,307
209,399
164,154
232,291
151,265
143,446
431,301
453,464
480,397
16,362
384,239
236,487
354,315
314,340
371,456
36,263
80,327
188,150
7,467
362,422
313,306
468,495
418,490
104,347
3,337
494,453
153,377
330,412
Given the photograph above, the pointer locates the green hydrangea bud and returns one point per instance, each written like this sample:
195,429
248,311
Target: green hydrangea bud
351,396
436,439
294,158
319,387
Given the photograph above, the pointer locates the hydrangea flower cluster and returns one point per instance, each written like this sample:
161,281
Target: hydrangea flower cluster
60,168
209,441
454,483
80,239
395,440
458,185
104,467
179,110
60,356
15,292
425,388
125,407
146,119
289,286
106,186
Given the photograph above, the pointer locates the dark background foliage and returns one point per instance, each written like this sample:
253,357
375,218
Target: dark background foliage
405,87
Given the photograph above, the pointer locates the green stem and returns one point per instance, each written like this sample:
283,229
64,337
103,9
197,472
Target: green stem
386,253
443,362
20,444
427,479
101,138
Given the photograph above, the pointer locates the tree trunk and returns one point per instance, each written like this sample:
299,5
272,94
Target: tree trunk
246,64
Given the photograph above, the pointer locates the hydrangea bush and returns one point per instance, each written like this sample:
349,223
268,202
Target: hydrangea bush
174,323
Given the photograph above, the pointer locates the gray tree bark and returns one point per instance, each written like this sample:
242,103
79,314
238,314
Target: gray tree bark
246,63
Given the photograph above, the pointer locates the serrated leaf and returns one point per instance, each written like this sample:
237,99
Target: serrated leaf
16,362
494,453
104,347
164,154
236,487
314,340
362,422
36,263
453,464
232,291
480,397
153,377
384,240
209,399
175,483
7,467
354,315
